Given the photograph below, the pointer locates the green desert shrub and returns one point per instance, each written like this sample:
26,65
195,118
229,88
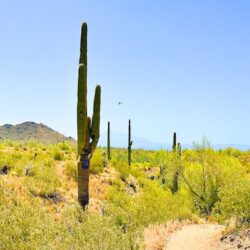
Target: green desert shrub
234,201
44,180
88,231
97,162
152,204
220,177
64,146
70,169
27,226
58,155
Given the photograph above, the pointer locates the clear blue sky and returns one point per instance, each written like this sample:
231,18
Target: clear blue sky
179,66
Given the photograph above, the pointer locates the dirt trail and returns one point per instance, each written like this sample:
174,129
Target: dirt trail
196,237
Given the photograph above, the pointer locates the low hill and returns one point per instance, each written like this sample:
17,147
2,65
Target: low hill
31,131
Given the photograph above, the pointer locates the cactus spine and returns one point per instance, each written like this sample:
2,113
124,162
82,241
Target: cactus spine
87,128
129,142
174,142
108,142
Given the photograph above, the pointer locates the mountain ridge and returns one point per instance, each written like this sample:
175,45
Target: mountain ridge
42,133
31,131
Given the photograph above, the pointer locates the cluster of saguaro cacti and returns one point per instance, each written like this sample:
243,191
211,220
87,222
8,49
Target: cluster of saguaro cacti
108,142
129,142
87,128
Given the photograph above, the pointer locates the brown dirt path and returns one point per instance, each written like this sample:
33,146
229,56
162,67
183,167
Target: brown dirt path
196,237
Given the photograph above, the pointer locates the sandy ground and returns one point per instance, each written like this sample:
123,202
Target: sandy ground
196,237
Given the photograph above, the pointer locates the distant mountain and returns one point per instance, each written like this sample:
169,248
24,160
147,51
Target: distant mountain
31,130
42,133
120,140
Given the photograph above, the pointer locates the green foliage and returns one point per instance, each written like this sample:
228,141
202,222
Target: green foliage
44,180
70,169
58,155
133,200
29,227
235,201
97,162
209,175
152,205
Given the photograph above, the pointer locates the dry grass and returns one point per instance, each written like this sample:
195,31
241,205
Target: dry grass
97,187
156,235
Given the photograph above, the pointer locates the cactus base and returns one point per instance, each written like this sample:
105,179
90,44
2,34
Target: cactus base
83,181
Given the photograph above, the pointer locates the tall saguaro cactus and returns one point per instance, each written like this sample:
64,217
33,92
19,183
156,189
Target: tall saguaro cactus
129,142
108,142
87,128
174,142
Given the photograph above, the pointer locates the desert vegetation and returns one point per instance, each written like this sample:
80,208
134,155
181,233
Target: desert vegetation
39,207
74,195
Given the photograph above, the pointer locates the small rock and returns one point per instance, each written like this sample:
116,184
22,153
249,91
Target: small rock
28,170
223,238
248,234
151,177
132,185
4,170
55,196
232,238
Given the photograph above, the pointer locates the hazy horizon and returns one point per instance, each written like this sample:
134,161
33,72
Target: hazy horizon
175,66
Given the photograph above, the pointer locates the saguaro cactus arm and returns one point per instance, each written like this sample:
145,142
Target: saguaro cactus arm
83,45
95,128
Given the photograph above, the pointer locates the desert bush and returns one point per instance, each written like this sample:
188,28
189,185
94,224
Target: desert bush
27,226
97,162
58,155
70,169
28,222
152,204
44,180
234,201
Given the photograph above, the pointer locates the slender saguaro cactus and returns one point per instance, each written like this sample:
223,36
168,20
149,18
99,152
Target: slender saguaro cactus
108,142
179,152
87,128
129,142
174,142
175,182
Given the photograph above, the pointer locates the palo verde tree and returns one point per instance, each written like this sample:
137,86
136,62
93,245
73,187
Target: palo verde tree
87,128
